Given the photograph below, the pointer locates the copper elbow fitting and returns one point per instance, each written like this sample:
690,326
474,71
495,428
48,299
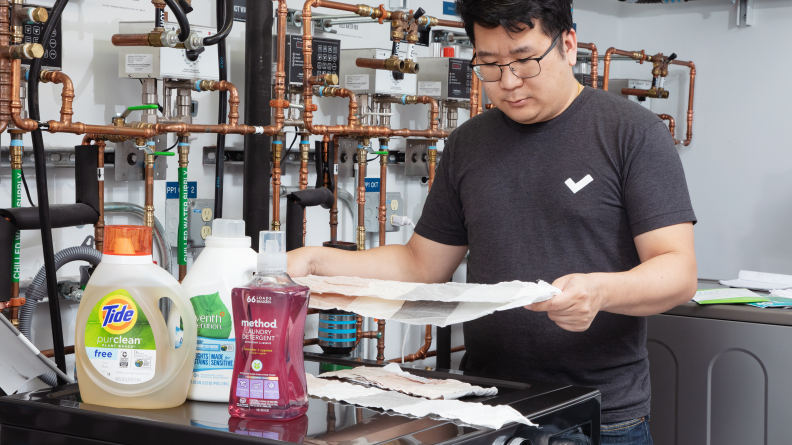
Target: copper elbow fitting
390,64
25,51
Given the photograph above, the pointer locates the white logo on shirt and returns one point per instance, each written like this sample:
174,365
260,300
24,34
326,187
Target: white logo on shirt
576,187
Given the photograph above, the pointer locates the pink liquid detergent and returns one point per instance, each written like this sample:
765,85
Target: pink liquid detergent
269,318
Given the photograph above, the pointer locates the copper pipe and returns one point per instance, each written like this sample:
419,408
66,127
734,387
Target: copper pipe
450,24
304,154
489,106
453,350
49,353
149,39
594,61
312,311
420,354
639,56
358,329
382,192
692,66
325,178
335,5
277,147
331,417
310,341
671,125
474,93
653,93
148,218
361,198
432,164
380,340
100,223
67,94
334,211
6,85
390,64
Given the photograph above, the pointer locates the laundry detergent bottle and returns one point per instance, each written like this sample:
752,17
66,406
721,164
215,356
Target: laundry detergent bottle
124,357
226,262
269,318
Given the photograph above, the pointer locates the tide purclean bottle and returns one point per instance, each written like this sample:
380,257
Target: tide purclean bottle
124,357
226,262
269,317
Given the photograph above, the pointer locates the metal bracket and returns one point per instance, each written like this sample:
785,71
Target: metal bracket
745,12
416,158
347,150
130,161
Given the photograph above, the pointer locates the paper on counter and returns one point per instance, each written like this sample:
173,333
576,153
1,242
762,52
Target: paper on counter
391,377
759,280
476,414
727,296
415,303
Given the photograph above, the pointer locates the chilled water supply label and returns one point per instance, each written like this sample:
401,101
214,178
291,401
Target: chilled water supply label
183,215
16,192
119,341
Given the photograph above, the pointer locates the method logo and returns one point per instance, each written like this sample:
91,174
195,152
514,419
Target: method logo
119,314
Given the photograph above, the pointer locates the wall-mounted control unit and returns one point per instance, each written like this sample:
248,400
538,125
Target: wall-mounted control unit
369,81
445,78
142,62
325,58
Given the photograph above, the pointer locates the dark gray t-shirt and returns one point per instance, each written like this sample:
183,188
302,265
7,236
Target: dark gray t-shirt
537,202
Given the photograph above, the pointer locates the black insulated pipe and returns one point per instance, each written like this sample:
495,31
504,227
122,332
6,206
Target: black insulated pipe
43,196
221,112
181,17
443,360
159,17
227,19
258,93
185,6
295,209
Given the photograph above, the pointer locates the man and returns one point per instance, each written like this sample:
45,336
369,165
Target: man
571,185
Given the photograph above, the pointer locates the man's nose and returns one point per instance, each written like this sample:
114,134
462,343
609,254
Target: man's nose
509,81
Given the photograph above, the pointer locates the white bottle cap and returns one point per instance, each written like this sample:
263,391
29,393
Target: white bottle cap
228,233
272,252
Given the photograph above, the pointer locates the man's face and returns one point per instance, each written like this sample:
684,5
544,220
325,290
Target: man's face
536,99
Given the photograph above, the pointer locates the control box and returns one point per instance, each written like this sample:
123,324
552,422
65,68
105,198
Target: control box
143,62
369,81
53,49
325,57
199,221
445,78
393,206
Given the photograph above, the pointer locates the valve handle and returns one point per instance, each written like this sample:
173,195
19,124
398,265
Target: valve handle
129,110
418,14
164,153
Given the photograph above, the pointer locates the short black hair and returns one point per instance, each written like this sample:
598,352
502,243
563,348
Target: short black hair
555,16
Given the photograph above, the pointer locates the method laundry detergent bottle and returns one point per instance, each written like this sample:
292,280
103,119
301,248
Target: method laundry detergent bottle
226,262
124,356
269,317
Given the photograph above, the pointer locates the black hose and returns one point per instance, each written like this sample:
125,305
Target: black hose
181,17
43,195
227,21
222,109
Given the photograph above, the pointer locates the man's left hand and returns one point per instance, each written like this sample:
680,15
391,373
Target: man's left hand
576,306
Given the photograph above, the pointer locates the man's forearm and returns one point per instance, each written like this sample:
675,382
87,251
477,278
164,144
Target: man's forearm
654,286
393,262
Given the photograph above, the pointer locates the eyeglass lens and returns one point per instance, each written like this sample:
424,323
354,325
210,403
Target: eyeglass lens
521,68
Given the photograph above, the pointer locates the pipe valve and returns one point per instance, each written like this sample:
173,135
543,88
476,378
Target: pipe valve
32,16
26,51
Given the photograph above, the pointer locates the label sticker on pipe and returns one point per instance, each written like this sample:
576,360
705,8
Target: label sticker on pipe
372,185
100,174
429,88
139,63
356,81
172,190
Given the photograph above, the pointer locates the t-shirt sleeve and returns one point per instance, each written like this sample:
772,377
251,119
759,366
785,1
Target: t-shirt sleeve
442,219
655,190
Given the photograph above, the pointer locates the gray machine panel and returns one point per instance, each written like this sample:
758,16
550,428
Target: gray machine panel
445,78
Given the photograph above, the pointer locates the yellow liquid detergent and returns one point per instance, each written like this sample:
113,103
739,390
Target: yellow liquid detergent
124,358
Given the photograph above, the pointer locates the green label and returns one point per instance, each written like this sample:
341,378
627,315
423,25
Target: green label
118,322
16,201
212,316
184,212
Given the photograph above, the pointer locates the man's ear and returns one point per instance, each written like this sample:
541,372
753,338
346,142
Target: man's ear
570,46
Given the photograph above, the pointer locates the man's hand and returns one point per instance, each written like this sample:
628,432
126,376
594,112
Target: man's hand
576,306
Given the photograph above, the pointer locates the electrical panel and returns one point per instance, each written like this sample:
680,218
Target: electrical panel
393,206
368,81
325,57
445,78
616,85
53,49
199,221
142,62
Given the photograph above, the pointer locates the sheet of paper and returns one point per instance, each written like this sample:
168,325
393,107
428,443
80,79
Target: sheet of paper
759,280
18,362
415,303
727,296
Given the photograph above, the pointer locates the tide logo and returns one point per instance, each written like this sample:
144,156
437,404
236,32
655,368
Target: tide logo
119,314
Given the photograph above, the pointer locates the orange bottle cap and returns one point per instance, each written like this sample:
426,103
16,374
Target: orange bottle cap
127,240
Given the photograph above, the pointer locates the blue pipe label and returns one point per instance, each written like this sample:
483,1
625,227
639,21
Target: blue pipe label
172,190
372,185
449,8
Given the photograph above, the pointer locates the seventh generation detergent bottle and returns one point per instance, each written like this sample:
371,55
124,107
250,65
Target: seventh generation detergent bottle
268,382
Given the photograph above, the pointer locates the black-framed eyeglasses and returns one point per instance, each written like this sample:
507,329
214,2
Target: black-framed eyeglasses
522,68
